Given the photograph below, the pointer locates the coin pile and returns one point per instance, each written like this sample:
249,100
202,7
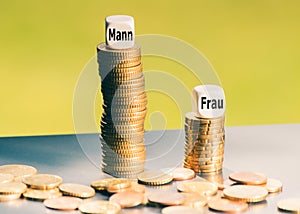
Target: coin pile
124,105
204,143
42,187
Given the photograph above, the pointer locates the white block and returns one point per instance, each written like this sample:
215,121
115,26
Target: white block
119,31
209,101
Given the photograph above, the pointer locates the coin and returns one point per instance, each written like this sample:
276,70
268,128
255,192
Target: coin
4,178
166,198
118,184
154,177
194,200
246,193
77,190
12,188
180,210
102,184
104,51
41,195
252,178
201,187
225,205
289,204
63,203
42,181
18,171
180,174
127,198
137,187
100,206
273,185
10,197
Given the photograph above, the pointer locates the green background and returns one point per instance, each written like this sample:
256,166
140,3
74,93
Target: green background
253,45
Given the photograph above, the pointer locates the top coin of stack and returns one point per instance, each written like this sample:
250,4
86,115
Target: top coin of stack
124,100
204,130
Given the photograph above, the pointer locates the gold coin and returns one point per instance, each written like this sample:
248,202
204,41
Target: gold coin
42,195
180,210
289,204
5,178
100,206
137,187
18,171
123,70
191,116
5,198
166,198
102,184
225,205
104,50
127,155
128,174
12,188
63,203
246,193
252,178
123,148
77,190
202,187
273,185
194,200
42,181
154,177
118,184
114,79
128,198
121,63
180,174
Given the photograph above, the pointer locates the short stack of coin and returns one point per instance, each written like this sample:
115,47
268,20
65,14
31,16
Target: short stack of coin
124,105
204,143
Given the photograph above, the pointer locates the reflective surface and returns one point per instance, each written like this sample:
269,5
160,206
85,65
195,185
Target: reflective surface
272,150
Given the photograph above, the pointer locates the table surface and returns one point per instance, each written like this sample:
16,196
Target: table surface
270,149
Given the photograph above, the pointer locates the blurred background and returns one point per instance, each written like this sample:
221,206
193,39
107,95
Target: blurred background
253,45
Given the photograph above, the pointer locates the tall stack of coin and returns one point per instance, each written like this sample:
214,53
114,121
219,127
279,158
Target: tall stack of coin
124,110
204,130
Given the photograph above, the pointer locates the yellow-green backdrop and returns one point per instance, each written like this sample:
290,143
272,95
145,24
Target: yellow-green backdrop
253,45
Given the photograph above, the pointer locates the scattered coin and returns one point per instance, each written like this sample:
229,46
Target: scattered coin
128,198
225,205
4,178
63,203
100,206
166,198
77,190
251,178
42,181
180,210
10,197
194,200
12,188
274,185
41,195
118,185
202,187
246,193
102,184
154,177
289,204
18,171
180,174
